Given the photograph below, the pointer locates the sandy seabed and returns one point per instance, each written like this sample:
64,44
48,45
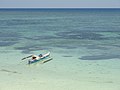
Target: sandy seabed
61,73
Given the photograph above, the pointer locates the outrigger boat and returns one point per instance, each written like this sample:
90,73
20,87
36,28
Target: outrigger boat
39,58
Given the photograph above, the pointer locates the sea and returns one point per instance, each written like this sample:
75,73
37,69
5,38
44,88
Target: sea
84,44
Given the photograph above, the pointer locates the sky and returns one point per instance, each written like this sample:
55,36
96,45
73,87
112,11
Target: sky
59,3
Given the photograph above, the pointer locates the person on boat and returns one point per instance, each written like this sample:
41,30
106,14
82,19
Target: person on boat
40,55
35,57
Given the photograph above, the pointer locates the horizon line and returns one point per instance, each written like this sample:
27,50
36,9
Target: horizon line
59,7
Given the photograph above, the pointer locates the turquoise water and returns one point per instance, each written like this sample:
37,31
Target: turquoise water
84,44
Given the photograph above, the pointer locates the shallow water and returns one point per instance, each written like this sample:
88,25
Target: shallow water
84,45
